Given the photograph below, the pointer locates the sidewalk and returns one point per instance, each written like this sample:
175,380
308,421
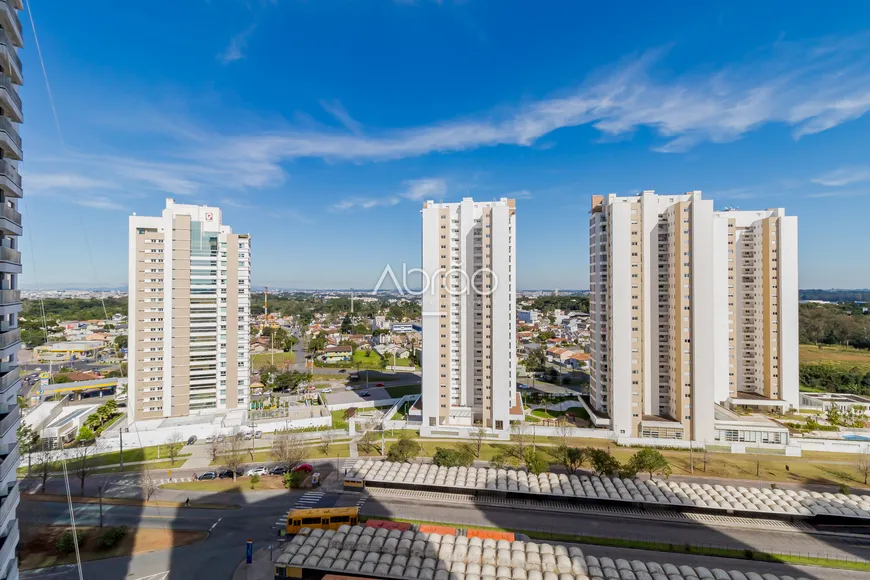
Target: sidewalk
261,568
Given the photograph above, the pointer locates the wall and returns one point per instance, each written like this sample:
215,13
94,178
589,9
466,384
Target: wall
650,442
363,404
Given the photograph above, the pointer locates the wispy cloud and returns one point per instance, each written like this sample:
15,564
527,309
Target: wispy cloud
844,176
520,194
366,202
337,110
810,87
98,202
838,193
419,189
235,50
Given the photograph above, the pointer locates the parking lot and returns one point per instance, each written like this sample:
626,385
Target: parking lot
338,397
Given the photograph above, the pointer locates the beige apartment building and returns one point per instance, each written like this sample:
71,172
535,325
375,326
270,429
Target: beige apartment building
469,313
690,308
189,314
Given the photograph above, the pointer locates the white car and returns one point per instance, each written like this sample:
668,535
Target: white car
257,471
326,391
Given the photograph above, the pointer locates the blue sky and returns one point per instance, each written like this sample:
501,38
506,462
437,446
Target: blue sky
320,126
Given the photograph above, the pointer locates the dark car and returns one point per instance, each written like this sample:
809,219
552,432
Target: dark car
228,473
365,394
207,475
278,470
342,370
306,467
379,385
191,440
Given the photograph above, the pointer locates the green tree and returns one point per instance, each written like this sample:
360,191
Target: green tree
536,360
571,458
404,450
535,462
121,342
60,379
290,342
28,442
650,461
85,434
446,457
603,462
346,325
834,415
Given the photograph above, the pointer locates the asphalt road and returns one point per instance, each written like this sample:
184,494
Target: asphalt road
218,555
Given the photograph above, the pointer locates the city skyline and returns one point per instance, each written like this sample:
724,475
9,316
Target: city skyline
312,153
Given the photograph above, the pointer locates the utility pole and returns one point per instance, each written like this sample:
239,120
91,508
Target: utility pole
121,433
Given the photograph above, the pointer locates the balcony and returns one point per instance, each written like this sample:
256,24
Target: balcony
11,103
9,464
10,420
8,503
10,180
10,220
12,63
11,379
10,21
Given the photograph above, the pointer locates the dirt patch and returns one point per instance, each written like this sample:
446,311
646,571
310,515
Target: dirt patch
124,501
240,485
38,546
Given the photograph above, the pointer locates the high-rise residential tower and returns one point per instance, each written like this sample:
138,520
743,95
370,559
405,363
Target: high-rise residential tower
469,313
189,314
690,307
10,267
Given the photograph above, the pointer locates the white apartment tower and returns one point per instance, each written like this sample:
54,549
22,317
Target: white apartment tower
10,268
189,314
690,307
469,312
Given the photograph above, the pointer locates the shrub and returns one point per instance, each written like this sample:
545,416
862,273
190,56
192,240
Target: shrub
844,489
293,479
111,536
66,544
255,479
404,450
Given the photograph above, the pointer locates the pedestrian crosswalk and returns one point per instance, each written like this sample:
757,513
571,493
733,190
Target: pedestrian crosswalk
173,480
362,500
307,500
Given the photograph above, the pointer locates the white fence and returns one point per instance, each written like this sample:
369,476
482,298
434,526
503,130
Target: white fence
363,404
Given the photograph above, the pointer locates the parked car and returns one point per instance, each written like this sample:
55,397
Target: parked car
306,467
342,370
379,385
522,386
348,388
228,473
191,440
365,394
249,435
278,470
257,471
221,438
207,475
209,439
326,391
258,434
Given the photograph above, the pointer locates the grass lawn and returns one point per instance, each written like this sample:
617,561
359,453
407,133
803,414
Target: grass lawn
241,484
367,359
37,548
130,456
312,452
338,420
398,415
839,355
397,392
578,412
264,359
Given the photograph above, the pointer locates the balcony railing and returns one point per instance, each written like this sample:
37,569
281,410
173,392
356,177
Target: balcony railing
9,420
10,542
10,297
10,255
9,379
10,214
8,503
10,463
10,47
9,171
6,83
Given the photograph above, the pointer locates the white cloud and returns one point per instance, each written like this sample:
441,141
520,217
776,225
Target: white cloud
810,87
99,202
520,194
337,110
366,203
844,176
235,50
37,183
427,188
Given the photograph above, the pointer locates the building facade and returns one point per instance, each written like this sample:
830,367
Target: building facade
189,314
10,267
469,313
690,307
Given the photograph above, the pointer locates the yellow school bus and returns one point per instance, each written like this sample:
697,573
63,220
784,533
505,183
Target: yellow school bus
323,518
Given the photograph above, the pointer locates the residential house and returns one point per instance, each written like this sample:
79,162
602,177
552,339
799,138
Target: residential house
333,354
